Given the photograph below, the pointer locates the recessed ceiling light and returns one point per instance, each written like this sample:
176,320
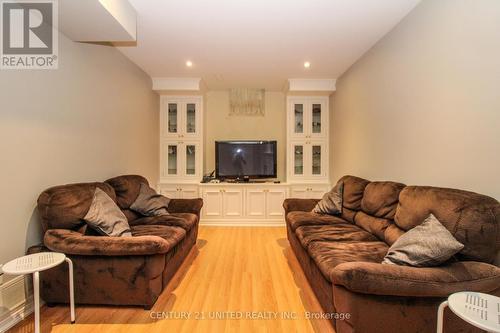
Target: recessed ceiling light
307,64
189,63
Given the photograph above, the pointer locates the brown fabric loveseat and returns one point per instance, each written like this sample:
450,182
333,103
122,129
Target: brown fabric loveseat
341,256
113,270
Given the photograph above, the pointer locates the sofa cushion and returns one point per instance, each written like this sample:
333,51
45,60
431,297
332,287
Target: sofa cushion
327,255
392,233
473,219
127,188
340,232
183,220
296,219
173,235
354,188
441,281
428,244
331,203
105,216
63,207
72,242
150,203
373,225
380,199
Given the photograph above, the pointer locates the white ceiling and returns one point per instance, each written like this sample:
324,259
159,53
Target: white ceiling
258,43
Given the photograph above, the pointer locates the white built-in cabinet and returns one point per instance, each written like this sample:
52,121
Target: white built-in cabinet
181,139
307,139
243,204
181,163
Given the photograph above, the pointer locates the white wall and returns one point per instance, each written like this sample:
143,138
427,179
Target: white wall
219,125
93,118
423,106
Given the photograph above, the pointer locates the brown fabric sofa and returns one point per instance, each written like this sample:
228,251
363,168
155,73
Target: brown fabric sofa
341,255
113,270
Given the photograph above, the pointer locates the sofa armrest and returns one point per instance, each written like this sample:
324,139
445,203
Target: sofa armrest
302,205
192,206
382,279
72,242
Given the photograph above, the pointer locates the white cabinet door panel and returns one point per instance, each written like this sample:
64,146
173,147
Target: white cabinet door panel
256,203
299,193
233,202
171,192
212,203
275,198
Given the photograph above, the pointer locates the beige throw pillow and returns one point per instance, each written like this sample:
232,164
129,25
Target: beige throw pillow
149,203
105,216
331,203
428,244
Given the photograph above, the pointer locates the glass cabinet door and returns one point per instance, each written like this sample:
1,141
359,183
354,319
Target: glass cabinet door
172,118
298,118
316,160
172,159
190,159
316,118
298,160
316,157
190,118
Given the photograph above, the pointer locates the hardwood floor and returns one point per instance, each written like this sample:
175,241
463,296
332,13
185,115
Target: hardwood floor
235,272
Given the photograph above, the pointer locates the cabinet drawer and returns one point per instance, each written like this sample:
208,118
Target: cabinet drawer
309,191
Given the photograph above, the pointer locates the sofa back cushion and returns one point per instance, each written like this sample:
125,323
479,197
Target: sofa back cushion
63,207
380,199
372,206
473,219
353,188
127,189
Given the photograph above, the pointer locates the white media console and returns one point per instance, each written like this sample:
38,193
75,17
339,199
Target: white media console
243,204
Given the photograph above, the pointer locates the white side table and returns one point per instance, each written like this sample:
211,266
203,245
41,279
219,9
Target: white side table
34,264
478,309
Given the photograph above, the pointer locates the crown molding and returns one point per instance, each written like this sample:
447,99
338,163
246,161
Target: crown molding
320,85
177,84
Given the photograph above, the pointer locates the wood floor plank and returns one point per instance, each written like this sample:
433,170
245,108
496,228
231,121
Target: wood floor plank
235,271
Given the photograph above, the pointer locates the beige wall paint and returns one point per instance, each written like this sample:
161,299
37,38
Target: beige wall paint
331,105
220,126
423,106
93,118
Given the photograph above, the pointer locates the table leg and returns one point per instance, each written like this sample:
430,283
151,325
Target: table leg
71,290
36,296
440,318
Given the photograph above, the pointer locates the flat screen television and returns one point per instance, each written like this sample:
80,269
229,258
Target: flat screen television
245,159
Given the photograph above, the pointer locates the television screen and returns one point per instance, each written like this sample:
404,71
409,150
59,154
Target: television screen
237,159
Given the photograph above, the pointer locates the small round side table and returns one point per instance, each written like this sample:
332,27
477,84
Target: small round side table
478,309
34,264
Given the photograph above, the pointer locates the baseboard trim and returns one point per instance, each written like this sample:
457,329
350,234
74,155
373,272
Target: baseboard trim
242,223
16,315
